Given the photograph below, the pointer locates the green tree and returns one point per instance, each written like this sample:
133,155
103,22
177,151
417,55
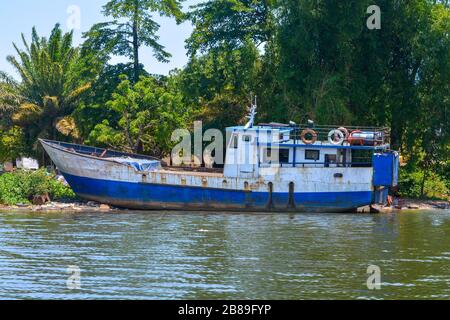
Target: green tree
51,86
226,30
147,114
429,133
11,144
219,84
230,22
91,111
133,26
10,98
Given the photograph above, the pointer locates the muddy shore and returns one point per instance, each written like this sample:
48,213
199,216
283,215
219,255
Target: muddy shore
75,206
90,206
412,204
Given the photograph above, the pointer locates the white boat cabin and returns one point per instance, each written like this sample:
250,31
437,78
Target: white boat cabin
250,149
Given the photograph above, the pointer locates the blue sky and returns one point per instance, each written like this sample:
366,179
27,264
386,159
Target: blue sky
19,16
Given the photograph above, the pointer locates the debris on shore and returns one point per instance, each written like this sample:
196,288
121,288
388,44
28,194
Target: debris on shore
402,204
77,206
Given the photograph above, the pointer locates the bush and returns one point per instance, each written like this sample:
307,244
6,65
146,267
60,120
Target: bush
410,184
11,190
60,191
22,186
11,144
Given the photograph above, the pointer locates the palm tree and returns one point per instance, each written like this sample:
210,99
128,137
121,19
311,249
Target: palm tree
51,85
9,96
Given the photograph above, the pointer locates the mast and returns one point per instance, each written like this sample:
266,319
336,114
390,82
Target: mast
252,114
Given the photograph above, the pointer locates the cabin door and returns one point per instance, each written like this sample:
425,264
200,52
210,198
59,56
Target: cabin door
247,158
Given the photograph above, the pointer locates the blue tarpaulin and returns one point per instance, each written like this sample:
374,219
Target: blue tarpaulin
139,164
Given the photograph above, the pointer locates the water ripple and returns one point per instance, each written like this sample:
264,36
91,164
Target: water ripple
223,256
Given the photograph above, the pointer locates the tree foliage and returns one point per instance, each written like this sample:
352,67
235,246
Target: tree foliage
219,85
147,113
132,26
230,23
21,186
51,86
10,98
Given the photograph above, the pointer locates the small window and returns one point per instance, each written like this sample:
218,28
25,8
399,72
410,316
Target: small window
234,142
312,155
284,156
247,138
267,155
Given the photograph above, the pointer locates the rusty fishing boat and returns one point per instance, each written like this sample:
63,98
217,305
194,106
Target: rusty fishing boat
268,167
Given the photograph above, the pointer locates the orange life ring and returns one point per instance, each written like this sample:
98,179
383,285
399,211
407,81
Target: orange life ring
354,141
312,133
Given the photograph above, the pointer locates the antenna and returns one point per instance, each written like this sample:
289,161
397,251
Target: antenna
252,114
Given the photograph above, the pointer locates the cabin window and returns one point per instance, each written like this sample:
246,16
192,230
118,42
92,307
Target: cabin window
234,142
267,155
247,138
284,156
312,155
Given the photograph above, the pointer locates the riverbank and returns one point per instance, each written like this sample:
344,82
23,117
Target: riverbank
75,206
90,206
403,204
414,204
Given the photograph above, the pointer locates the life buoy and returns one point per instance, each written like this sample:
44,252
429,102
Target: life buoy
313,136
336,137
345,132
354,140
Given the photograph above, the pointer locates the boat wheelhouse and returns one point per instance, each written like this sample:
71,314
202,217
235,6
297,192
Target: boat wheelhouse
268,167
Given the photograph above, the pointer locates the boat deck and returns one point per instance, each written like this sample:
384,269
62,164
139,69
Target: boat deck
204,172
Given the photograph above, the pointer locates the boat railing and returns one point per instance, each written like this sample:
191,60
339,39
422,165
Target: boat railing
353,164
97,152
354,135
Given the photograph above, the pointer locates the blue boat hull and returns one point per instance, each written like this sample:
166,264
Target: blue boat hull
174,197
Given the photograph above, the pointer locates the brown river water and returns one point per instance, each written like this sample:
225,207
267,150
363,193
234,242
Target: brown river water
223,256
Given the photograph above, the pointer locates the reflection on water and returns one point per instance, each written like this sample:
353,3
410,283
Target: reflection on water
201,256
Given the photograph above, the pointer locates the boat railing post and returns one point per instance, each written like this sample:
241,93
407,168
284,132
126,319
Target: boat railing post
295,156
